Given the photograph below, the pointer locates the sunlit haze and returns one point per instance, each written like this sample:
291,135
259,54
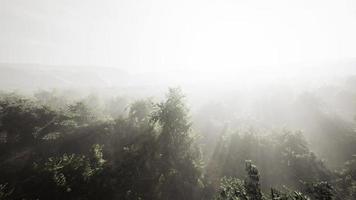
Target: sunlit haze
206,39
178,100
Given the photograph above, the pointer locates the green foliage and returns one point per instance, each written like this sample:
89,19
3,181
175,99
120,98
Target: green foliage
174,137
346,181
76,152
320,190
134,161
249,189
232,189
140,111
287,195
283,157
81,113
179,159
70,172
23,121
252,182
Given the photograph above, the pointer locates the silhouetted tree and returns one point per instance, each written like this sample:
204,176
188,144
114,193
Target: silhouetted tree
179,158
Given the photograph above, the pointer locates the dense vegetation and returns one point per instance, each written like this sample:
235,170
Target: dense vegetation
53,148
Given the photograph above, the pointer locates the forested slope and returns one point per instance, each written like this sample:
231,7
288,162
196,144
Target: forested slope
60,149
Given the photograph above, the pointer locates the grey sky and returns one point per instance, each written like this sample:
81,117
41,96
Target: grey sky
194,35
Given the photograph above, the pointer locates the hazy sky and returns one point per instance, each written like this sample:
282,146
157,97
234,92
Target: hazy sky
194,35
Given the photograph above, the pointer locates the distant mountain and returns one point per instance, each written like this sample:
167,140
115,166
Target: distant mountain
35,76
22,76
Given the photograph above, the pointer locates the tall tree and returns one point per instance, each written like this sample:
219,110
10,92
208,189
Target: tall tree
179,176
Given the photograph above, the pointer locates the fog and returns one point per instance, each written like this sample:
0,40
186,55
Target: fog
177,100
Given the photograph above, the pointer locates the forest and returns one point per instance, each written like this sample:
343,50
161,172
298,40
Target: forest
53,146
177,100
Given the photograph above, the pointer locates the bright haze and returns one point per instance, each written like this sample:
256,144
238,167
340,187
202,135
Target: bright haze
178,99
186,41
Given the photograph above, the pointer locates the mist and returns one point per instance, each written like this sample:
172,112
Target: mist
180,100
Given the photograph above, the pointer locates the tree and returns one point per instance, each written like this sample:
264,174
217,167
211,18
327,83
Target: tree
179,158
252,182
81,113
282,157
231,189
23,121
346,179
70,176
320,190
140,111
249,189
